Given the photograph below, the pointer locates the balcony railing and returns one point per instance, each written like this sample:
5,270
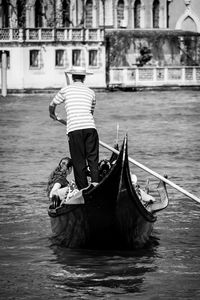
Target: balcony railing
51,34
154,76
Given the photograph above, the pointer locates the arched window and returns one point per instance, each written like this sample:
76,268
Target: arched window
101,13
5,14
88,13
66,13
167,12
38,13
21,13
155,13
120,12
137,14
80,14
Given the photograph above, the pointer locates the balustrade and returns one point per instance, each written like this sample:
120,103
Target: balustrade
51,34
154,76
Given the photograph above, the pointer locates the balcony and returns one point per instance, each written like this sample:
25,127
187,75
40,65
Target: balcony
51,35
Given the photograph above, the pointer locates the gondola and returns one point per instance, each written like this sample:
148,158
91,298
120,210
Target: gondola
109,215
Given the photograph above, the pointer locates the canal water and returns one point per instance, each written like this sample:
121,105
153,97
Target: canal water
164,134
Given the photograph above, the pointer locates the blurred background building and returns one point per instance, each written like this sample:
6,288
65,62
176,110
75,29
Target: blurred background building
125,43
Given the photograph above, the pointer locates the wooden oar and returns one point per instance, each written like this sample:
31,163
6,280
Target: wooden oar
180,189
117,137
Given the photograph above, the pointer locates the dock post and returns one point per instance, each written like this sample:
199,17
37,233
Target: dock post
4,74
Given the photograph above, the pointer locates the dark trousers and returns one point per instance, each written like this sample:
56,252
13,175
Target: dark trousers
84,149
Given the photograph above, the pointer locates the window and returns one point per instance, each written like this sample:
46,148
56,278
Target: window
137,12
76,57
5,14
120,12
8,58
88,13
34,58
156,8
60,54
66,13
21,13
93,58
38,13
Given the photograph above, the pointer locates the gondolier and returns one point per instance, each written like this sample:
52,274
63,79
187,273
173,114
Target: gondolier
83,138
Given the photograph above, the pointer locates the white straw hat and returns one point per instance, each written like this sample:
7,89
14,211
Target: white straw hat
79,71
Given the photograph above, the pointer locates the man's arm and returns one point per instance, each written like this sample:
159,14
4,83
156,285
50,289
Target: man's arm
93,104
52,114
52,109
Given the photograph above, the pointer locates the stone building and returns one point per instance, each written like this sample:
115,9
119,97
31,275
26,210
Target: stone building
129,14
42,39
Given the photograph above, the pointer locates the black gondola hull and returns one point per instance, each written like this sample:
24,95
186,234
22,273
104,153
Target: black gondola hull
112,216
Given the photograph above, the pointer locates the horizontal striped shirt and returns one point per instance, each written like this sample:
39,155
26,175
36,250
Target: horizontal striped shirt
79,105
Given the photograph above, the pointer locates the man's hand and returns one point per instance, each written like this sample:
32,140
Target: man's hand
61,120
52,108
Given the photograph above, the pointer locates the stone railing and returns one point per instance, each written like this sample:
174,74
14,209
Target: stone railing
154,76
51,34
11,34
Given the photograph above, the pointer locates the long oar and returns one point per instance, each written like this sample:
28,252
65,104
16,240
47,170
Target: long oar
180,189
117,137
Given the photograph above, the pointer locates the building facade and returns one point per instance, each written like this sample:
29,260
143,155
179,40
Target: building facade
129,14
42,39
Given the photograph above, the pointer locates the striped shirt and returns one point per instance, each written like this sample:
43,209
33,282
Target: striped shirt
79,105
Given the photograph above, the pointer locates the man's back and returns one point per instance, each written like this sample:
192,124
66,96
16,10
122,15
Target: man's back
79,105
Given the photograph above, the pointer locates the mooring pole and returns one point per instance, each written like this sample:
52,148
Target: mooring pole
4,74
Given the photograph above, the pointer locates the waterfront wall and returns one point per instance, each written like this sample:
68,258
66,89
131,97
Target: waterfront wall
154,77
38,58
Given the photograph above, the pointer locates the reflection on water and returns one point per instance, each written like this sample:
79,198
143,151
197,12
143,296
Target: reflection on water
164,134
123,272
